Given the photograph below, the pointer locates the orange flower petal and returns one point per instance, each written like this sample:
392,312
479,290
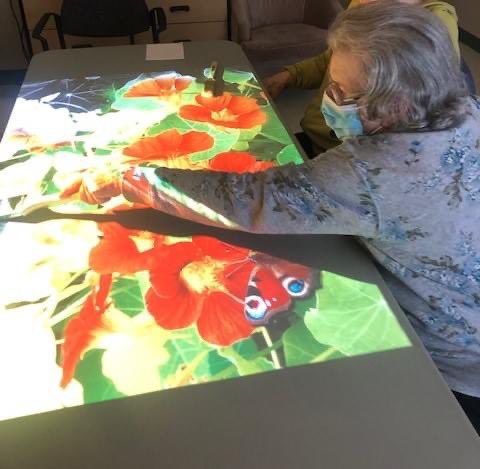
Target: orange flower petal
262,166
238,162
167,263
117,252
219,250
165,82
142,89
182,83
118,255
214,103
193,142
169,144
79,332
222,321
243,105
252,119
177,312
195,113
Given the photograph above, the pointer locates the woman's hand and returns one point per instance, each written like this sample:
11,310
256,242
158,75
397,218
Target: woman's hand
277,83
95,187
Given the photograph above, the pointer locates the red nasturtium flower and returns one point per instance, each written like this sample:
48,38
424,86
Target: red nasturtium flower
204,282
237,112
80,331
169,147
163,86
122,250
238,162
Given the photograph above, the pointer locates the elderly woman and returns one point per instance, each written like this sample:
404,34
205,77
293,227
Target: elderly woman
406,179
312,74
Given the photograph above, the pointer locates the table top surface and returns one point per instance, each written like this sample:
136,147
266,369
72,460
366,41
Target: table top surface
389,409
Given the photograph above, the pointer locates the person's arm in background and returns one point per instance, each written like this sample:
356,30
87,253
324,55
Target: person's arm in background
448,16
330,195
307,74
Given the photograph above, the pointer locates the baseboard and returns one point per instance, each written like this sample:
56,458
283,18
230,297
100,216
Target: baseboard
12,77
470,39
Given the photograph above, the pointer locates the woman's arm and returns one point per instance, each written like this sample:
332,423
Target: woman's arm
330,195
310,73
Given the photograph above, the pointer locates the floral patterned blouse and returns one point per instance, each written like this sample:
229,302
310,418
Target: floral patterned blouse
413,199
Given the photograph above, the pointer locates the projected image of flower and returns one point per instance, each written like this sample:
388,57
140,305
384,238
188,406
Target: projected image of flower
110,312
110,123
92,310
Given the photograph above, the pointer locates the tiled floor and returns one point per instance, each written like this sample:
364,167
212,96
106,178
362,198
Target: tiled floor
291,105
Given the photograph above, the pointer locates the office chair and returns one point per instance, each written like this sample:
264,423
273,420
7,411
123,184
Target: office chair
102,18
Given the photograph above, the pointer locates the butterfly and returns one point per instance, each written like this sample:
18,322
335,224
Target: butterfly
273,286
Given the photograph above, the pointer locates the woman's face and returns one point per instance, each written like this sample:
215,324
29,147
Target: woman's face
346,71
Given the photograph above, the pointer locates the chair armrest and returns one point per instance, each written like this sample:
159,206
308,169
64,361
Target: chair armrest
158,21
322,13
40,26
240,21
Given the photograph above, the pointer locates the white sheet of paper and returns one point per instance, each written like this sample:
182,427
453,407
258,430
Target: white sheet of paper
170,51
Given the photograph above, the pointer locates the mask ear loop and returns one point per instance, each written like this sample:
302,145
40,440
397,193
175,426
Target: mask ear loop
376,130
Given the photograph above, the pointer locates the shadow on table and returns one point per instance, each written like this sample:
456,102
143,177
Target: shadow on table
312,250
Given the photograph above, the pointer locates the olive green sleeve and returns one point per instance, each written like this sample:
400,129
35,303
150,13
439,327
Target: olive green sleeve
310,72
449,18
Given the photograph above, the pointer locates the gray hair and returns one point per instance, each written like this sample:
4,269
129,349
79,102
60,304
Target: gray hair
411,67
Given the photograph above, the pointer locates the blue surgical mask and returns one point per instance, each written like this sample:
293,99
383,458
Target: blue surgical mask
343,120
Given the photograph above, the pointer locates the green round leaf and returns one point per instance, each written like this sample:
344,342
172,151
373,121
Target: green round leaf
274,129
127,296
301,347
354,318
96,387
288,155
245,366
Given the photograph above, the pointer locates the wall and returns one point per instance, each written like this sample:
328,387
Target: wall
469,15
11,56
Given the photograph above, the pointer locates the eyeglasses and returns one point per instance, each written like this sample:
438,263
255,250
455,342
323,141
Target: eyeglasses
336,93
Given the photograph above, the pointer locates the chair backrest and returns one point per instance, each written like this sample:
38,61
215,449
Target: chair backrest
265,12
104,18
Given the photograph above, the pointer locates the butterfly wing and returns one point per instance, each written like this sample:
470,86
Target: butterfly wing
265,297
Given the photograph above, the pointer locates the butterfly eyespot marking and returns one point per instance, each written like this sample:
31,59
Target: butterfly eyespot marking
296,288
255,307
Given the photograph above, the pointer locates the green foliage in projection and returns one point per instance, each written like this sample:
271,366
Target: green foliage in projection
301,347
127,296
289,155
237,76
274,129
185,349
96,387
224,140
353,317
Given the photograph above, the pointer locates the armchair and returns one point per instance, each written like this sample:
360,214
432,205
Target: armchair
274,33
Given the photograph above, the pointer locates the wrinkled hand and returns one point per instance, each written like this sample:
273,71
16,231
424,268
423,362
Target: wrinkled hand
277,83
95,187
